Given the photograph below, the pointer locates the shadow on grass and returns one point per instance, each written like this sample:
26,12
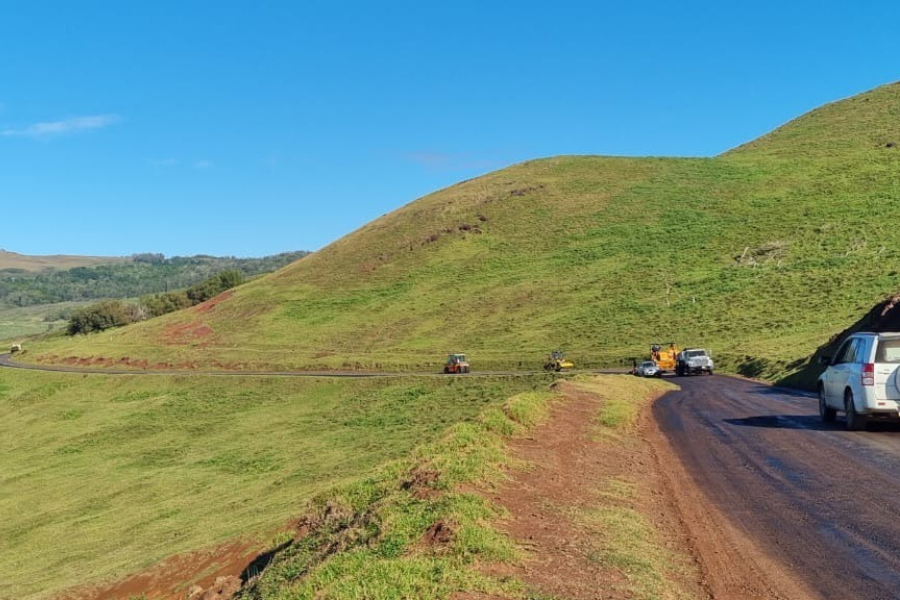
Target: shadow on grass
885,316
259,564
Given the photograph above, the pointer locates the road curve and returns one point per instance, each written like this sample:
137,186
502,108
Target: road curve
819,500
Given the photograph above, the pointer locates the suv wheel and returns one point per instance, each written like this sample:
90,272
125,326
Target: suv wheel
855,421
826,413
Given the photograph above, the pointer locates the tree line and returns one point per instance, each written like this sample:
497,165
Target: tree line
143,275
116,313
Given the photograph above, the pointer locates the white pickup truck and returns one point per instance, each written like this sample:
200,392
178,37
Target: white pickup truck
693,361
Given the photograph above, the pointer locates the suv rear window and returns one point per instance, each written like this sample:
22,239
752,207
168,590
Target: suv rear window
888,351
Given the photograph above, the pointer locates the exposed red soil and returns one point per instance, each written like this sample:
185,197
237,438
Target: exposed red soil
205,307
421,483
178,335
566,465
439,534
204,573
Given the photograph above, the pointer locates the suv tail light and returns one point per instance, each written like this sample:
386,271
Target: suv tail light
868,374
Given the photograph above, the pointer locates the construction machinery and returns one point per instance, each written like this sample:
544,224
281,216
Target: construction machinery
456,364
558,362
665,356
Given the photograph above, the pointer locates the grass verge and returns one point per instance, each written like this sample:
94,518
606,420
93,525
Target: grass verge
408,531
627,539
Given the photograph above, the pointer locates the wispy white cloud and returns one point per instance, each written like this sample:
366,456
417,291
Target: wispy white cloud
430,159
176,163
164,162
66,126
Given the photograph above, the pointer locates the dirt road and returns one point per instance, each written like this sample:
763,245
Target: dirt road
804,505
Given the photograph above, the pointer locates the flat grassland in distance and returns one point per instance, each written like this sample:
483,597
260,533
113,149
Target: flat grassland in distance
17,323
101,476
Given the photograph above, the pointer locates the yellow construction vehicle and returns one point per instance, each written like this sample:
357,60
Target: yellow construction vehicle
664,355
558,361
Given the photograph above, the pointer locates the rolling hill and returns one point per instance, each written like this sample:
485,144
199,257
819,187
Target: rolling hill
24,262
39,293
759,254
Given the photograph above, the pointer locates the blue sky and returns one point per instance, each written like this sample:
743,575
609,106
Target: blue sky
252,128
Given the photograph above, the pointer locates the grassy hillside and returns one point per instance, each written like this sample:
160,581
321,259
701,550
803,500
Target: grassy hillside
759,254
102,476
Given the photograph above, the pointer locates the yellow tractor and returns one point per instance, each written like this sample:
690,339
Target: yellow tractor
558,362
664,357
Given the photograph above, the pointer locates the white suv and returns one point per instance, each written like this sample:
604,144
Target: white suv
862,379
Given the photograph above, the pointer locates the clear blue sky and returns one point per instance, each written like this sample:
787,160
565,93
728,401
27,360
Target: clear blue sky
251,128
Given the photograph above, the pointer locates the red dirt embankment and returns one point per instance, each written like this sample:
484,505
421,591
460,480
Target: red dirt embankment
175,578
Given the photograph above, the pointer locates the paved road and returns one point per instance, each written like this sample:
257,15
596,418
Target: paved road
823,501
7,361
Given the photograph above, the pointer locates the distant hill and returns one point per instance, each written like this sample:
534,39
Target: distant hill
760,255
136,275
12,260
41,297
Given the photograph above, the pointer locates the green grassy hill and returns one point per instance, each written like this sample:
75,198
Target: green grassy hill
757,254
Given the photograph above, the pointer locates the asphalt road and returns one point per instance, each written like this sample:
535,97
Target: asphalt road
6,360
820,500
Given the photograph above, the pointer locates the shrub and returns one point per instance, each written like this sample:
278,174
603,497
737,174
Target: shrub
103,315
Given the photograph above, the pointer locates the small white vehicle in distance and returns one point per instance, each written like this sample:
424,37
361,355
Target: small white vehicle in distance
861,380
647,368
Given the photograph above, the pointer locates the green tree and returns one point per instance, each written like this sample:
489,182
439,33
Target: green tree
215,285
103,315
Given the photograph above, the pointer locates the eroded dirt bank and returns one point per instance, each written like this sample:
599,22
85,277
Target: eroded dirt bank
180,577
